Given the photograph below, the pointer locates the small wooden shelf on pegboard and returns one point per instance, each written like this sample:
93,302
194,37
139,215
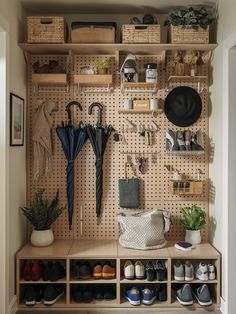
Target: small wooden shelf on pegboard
139,87
93,80
186,152
186,187
133,111
186,77
50,79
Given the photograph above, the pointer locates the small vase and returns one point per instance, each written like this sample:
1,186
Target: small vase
193,236
42,237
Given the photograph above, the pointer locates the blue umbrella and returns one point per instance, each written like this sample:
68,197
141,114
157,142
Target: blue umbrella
98,137
72,140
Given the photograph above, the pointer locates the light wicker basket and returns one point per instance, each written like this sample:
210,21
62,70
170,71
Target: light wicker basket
141,34
46,29
181,35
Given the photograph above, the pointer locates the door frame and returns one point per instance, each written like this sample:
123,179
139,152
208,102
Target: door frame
228,44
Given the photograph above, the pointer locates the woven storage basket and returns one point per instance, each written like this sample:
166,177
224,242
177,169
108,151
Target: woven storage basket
179,34
46,29
141,34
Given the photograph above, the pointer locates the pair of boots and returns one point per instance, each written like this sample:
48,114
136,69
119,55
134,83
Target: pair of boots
184,140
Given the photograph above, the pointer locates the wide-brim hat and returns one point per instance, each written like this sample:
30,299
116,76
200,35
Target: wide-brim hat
183,106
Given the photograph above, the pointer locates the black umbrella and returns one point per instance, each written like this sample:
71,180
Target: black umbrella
72,140
98,137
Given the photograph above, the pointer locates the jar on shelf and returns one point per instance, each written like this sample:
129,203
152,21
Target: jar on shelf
151,72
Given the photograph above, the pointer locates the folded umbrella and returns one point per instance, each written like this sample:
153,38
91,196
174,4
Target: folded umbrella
72,140
98,137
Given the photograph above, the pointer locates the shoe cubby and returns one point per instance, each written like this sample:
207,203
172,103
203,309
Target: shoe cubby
102,252
155,270
93,270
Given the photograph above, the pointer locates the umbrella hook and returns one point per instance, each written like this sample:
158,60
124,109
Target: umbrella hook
100,109
72,103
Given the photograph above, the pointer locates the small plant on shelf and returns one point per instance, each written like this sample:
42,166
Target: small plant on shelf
189,18
41,215
102,65
194,219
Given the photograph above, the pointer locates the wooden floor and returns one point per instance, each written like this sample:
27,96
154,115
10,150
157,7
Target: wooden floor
117,311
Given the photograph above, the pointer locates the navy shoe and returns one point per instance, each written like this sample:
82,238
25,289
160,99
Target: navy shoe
149,295
162,294
85,271
133,296
150,271
57,271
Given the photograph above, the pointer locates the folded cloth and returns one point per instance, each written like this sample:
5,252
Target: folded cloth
42,141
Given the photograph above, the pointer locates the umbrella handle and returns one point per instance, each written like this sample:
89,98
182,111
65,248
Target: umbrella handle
100,109
72,103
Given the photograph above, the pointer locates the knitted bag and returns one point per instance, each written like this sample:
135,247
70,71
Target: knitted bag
144,230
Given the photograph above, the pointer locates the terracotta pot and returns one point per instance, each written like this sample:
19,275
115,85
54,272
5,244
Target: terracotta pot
193,236
102,71
42,237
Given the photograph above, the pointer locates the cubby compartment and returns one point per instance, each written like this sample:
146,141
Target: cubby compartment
93,270
95,295
42,295
161,264
160,294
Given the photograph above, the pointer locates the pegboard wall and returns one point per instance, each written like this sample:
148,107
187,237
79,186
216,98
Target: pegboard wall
154,191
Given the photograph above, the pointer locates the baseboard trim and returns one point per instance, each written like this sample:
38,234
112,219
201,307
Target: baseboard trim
223,306
12,307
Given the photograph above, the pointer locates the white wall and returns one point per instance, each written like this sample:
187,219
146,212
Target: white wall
226,26
11,11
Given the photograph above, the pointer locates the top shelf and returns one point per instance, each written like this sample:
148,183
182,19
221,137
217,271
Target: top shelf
110,48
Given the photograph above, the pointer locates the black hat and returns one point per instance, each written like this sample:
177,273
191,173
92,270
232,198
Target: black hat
183,106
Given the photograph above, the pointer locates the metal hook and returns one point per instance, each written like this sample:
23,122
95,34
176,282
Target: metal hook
72,103
100,109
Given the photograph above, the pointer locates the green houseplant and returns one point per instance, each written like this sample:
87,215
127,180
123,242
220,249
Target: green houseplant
101,64
193,219
189,18
41,215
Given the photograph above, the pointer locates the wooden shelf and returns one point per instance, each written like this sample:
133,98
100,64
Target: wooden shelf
93,80
139,87
93,281
140,281
133,111
49,79
111,48
186,152
30,282
186,77
194,281
125,303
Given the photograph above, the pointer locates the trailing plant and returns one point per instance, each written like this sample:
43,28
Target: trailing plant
194,217
189,18
101,63
42,213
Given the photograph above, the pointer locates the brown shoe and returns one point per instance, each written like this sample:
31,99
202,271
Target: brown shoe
108,271
97,271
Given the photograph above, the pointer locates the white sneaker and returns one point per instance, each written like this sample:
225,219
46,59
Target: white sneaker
211,271
201,271
129,270
139,270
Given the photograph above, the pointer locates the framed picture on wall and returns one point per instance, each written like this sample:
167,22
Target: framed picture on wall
16,120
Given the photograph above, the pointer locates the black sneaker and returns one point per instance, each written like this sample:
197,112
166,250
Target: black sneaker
161,271
85,271
30,296
150,271
99,293
39,294
57,271
162,294
88,295
109,293
52,294
75,269
47,271
78,295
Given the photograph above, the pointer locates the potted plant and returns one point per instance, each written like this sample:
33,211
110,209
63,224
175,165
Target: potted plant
183,21
41,215
194,219
102,64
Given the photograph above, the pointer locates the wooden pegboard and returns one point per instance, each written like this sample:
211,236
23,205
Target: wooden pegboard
154,183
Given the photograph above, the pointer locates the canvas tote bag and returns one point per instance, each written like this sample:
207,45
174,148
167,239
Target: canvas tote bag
144,230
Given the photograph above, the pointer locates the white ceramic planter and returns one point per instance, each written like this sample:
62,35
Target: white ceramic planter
193,236
42,237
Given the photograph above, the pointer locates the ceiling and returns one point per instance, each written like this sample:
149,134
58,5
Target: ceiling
107,6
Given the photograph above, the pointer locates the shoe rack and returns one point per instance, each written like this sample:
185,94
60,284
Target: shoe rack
68,251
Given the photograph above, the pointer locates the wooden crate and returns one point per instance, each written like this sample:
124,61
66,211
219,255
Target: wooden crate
46,29
181,35
141,34
194,188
